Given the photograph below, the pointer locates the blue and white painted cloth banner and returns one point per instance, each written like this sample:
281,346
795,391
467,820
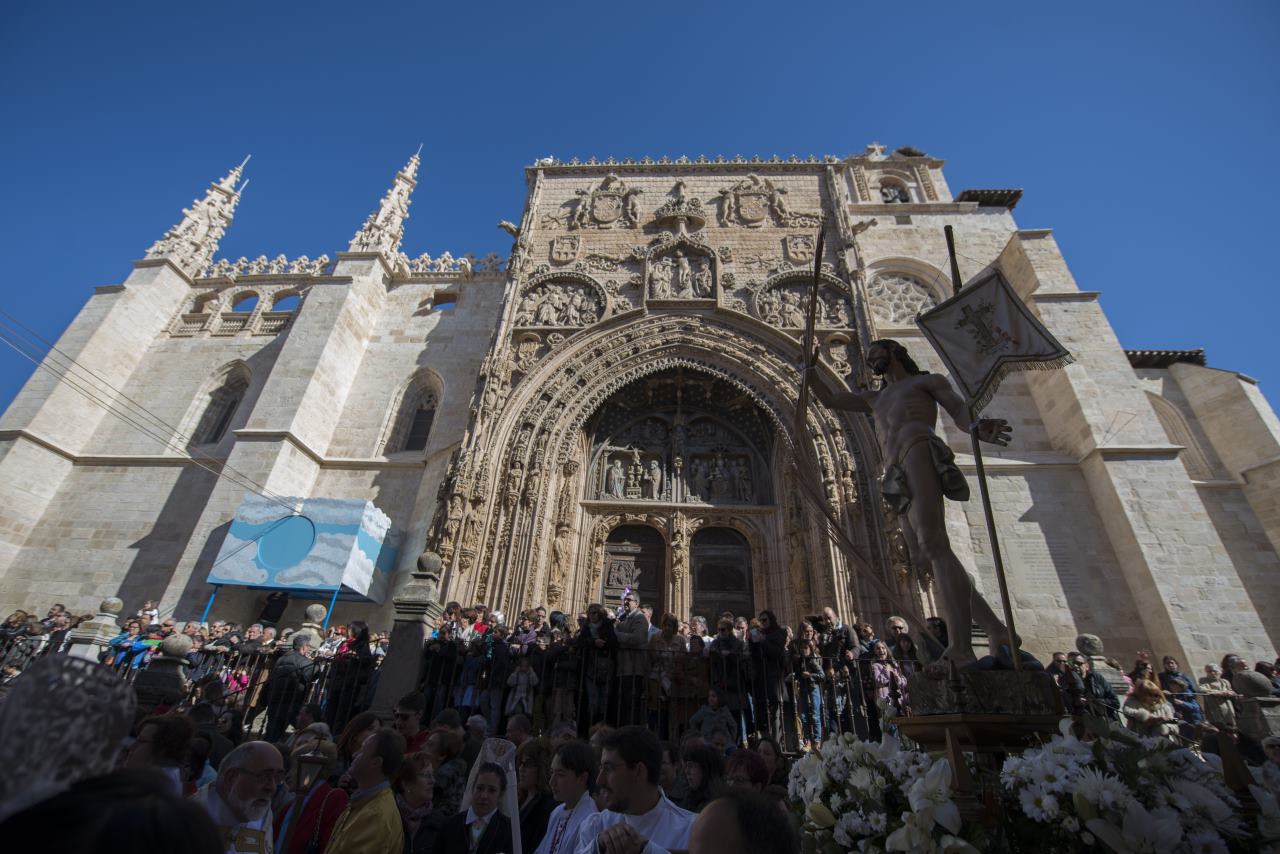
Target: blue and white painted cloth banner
330,541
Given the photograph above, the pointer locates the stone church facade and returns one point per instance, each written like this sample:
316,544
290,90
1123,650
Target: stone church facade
613,406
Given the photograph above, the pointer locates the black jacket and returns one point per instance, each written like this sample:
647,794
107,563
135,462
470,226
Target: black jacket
291,675
455,836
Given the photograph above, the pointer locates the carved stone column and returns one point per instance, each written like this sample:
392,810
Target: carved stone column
89,640
417,608
681,597
165,679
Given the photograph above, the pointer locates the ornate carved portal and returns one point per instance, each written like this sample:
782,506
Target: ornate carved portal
673,427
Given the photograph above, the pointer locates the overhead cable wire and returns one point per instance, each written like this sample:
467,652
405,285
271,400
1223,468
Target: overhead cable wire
164,425
164,441
172,438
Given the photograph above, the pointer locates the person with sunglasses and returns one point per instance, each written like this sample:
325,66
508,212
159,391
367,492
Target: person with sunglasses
408,721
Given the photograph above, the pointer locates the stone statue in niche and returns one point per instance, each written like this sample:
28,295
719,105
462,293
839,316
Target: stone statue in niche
617,479
699,479
721,484
702,280
635,475
653,481
560,559
660,274
684,275
792,311
742,480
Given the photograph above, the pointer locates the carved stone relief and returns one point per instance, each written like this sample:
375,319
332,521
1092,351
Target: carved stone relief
786,305
559,304
800,247
681,275
755,201
609,204
897,298
565,248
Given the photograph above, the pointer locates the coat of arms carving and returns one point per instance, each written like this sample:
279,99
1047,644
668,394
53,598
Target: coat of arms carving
565,248
800,248
750,202
612,202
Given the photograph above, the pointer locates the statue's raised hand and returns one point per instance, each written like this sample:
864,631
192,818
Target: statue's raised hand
994,430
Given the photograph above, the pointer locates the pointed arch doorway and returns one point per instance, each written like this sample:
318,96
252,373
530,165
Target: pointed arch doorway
635,557
720,560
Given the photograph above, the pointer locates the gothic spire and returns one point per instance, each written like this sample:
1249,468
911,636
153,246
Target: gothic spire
384,229
191,243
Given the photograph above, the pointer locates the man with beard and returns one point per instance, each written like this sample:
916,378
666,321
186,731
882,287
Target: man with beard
239,799
638,818
839,646
920,470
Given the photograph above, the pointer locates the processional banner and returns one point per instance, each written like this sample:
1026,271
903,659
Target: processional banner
986,332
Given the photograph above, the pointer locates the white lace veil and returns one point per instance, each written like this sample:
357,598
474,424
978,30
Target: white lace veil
502,753
62,720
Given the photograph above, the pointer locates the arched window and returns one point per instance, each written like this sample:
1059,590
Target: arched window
205,303
1179,433
287,301
221,407
893,191
417,412
244,302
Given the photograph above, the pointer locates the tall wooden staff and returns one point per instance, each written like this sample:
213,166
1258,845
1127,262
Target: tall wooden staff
809,480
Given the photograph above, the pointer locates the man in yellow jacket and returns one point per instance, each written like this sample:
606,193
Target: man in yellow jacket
371,823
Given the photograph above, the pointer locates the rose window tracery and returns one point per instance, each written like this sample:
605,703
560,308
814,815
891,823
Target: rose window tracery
896,298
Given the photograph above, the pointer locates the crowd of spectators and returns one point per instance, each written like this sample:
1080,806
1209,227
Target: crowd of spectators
627,731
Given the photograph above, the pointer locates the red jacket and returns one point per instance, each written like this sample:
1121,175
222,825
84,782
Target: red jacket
323,805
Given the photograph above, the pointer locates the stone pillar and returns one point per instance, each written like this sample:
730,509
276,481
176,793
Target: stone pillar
1244,432
89,640
165,678
1172,559
313,626
1091,647
49,424
417,608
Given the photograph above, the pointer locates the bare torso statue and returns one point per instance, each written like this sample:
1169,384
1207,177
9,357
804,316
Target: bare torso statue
920,471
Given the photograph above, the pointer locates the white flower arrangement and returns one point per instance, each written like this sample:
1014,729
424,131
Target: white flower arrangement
867,797
1119,793
1122,793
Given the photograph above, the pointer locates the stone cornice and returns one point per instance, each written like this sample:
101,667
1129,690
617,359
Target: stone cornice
641,505
347,463
1066,296
909,208
668,165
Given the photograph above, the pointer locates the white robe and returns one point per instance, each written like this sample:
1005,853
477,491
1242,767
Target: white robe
568,843
247,837
666,826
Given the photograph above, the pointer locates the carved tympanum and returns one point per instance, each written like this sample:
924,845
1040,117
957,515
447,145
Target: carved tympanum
559,304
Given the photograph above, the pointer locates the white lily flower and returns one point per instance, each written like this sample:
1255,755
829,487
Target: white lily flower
1202,800
933,790
1141,833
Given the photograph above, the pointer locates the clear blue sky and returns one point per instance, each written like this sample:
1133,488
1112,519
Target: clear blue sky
1144,134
